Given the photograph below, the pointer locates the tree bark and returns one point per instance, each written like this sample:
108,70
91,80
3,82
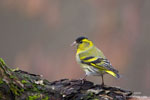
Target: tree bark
20,85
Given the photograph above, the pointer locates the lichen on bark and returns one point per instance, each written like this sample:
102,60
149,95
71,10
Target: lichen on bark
21,85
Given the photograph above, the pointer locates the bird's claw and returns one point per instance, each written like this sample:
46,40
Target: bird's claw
82,80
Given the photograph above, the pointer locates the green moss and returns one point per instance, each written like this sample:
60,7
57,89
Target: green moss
37,96
22,90
46,98
90,96
24,81
15,89
26,77
1,81
34,97
35,89
16,69
2,62
12,77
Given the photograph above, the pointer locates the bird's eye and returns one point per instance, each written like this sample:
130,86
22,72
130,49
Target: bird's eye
80,42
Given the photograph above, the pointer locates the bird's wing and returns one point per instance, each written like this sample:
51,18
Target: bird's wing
99,63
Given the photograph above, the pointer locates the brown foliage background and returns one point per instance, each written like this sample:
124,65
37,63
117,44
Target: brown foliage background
35,35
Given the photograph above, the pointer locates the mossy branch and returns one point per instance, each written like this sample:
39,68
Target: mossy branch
21,85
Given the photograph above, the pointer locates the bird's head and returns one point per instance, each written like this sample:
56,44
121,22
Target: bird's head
82,43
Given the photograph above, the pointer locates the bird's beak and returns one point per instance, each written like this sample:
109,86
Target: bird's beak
74,43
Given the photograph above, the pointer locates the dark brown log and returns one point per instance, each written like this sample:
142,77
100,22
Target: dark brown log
21,85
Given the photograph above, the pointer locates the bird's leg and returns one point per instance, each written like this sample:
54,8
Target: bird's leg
102,80
83,79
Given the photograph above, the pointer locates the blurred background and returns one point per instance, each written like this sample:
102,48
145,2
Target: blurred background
35,36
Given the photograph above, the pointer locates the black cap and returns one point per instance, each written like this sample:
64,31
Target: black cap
79,39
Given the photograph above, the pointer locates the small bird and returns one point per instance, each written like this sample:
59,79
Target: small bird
92,60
